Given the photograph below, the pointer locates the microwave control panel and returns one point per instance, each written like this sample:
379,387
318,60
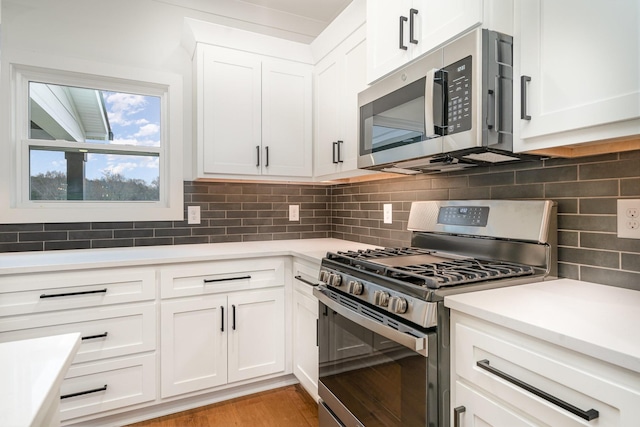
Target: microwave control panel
459,96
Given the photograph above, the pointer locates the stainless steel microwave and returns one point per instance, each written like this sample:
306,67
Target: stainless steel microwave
451,109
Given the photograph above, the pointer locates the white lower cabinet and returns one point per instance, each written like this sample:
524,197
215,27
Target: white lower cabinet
114,310
305,326
221,338
504,378
92,388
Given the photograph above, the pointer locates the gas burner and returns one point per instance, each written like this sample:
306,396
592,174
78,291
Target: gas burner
428,268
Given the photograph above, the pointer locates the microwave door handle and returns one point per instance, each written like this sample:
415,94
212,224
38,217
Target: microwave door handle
428,103
429,121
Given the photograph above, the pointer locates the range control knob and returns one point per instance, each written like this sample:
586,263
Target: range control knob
324,276
381,298
335,279
354,287
397,305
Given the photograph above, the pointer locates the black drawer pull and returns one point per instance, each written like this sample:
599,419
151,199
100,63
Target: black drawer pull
227,279
222,318
70,294
80,393
300,278
590,414
91,337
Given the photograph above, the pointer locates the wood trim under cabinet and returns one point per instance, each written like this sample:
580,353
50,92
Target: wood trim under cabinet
614,145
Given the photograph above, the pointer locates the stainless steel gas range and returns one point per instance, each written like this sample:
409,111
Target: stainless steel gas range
383,330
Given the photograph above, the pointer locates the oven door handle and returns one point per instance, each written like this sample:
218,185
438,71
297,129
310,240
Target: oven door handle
417,344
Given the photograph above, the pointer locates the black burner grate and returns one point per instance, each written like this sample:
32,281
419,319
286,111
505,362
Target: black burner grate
451,272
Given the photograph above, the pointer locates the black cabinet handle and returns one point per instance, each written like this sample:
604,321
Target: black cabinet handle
340,151
266,162
590,414
257,155
80,393
403,19
233,316
412,14
303,280
317,333
524,80
334,151
228,279
92,337
100,291
456,415
222,318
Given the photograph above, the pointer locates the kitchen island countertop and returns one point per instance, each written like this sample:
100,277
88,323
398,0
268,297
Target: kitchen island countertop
75,259
32,371
596,320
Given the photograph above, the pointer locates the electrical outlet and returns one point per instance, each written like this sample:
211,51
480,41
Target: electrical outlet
193,215
629,218
294,212
387,213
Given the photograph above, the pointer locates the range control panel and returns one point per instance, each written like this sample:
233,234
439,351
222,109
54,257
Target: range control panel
459,96
464,215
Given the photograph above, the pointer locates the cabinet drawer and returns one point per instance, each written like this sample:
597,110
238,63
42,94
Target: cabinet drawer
106,331
485,352
38,293
128,381
305,277
221,276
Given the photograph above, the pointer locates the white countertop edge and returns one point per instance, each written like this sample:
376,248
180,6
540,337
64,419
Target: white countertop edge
45,361
76,259
599,344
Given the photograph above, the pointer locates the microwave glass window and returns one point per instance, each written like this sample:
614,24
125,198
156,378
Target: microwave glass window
394,120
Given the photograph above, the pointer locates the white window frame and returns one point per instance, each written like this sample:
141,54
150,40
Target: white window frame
15,204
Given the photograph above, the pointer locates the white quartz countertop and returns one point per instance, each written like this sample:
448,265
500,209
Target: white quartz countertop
597,320
32,262
31,372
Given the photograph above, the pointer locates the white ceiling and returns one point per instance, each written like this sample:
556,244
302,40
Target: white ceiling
323,11
298,20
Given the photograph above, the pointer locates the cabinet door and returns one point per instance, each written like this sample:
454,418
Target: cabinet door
194,344
286,119
229,111
328,86
383,36
482,411
305,327
256,333
355,79
583,61
339,78
440,21
435,22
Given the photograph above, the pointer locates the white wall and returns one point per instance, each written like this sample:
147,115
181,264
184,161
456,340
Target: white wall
143,34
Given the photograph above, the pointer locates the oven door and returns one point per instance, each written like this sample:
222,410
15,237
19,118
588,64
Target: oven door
371,374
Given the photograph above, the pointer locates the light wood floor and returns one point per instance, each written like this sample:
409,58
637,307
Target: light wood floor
282,407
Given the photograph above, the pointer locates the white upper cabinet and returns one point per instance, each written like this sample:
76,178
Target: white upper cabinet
254,115
339,77
230,111
579,70
399,31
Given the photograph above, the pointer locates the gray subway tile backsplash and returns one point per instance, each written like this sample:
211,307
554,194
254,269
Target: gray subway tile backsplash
586,190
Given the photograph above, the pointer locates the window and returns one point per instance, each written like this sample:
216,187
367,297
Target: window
107,144
95,148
